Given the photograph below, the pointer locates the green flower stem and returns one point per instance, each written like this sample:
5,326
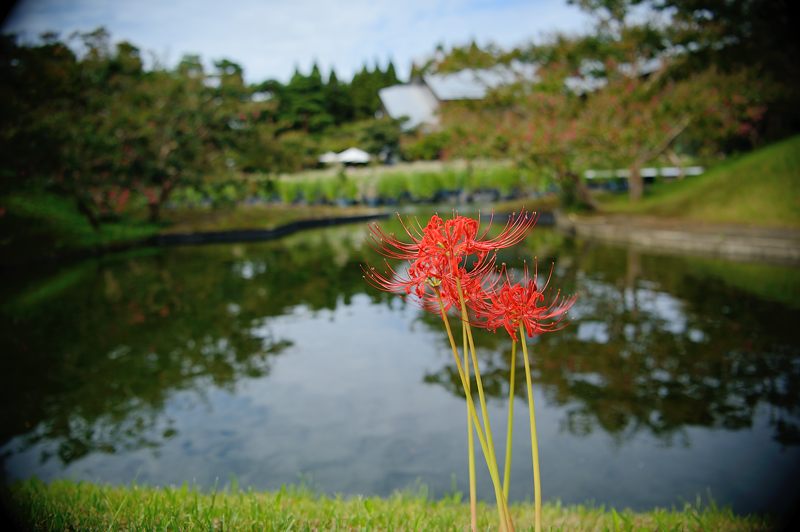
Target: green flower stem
484,410
509,433
537,485
473,499
493,473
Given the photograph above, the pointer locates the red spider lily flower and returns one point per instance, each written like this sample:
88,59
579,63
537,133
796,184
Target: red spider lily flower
438,256
451,240
455,238
417,281
522,304
514,232
474,285
428,287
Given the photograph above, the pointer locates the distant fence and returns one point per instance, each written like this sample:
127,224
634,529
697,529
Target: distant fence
664,171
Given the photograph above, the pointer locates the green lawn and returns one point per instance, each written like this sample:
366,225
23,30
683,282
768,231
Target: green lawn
81,506
761,188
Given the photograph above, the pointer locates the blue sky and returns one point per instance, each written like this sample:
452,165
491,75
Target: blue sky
270,38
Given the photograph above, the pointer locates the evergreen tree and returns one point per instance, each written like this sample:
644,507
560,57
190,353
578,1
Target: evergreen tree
337,100
391,75
360,90
304,102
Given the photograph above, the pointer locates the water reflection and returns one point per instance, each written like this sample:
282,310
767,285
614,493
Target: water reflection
273,360
654,353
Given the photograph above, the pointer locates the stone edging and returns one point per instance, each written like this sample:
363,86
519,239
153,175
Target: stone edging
727,241
253,235
183,239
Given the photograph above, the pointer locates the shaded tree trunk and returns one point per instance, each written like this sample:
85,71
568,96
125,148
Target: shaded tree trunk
154,210
635,183
675,161
86,210
157,200
582,193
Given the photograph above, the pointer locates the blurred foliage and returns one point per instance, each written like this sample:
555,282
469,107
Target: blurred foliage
723,82
98,128
621,115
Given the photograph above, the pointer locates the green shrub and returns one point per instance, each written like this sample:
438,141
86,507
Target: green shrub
265,188
424,186
503,178
331,189
350,190
189,196
426,148
288,190
311,190
229,193
392,185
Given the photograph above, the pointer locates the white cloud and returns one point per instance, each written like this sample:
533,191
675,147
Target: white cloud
270,38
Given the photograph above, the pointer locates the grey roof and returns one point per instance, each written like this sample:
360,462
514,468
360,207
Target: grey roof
463,85
642,67
584,84
413,101
591,73
473,84
420,101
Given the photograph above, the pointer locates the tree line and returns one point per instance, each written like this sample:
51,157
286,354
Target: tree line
86,119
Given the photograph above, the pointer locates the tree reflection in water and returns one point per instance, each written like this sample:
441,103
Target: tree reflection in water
91,365
656,346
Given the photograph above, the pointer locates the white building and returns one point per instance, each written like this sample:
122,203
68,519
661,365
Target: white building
419,101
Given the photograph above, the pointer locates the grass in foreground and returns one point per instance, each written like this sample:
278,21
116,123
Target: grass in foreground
82,506
761,188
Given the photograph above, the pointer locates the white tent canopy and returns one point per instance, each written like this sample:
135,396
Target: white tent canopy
353,156
329,158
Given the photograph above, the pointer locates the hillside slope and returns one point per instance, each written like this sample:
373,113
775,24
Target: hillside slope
761,188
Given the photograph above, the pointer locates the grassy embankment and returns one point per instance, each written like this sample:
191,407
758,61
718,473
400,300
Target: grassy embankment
40,225
65,505
37,225
761,188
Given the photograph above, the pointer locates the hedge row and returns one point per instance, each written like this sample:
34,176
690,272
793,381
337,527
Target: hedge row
389,187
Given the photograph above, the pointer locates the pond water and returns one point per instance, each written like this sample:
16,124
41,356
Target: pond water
274,363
